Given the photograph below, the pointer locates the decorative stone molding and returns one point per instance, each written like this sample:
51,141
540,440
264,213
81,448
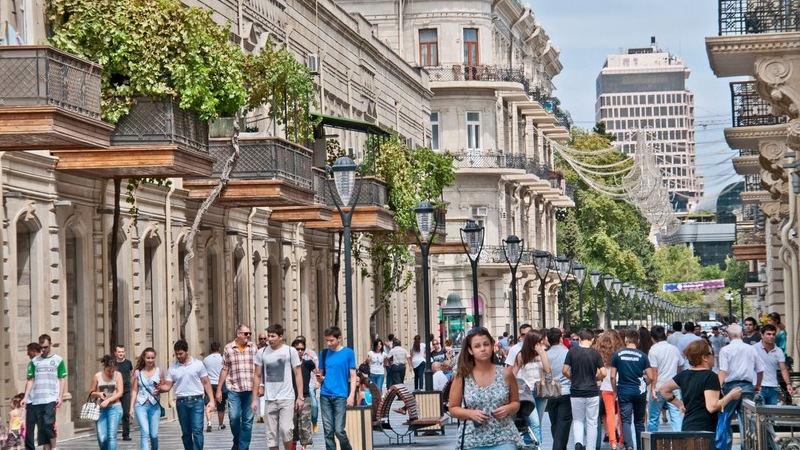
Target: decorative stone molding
775,211
793,134
777,81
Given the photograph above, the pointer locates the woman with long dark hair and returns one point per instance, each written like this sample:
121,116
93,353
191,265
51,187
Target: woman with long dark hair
107,389
376,358
418,362
488,393
144,392
531,365
645,340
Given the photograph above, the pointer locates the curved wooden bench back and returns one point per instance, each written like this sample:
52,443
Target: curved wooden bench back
446,394
408,399
376,399
385,406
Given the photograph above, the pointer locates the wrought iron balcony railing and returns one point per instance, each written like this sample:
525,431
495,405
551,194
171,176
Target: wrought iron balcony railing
267,158
162,122
46,76
752,183
737,17
458,72
749,109
748,152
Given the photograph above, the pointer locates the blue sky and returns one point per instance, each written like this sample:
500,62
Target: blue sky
587,30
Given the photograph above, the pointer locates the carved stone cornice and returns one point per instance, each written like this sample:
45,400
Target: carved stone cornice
777,81
775,211
773,176
748,138
755,197
774,184
736,55
746,165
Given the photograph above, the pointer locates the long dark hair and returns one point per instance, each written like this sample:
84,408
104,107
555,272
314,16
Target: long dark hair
528,351
375,344
417,347
645,340
140,359
466,362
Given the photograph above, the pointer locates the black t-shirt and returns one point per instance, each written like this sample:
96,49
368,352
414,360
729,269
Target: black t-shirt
306,367
756,337
693,384
630,364
438,356
583,364
125,368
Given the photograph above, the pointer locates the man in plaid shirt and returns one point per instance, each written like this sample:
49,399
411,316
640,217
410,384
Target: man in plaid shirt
237,370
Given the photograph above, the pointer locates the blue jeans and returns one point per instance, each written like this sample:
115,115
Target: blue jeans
770,395
506,446
314,405
148,416
190,417
241,416
631,409
535,419
748,391
334,410
675,416
419,376
378,380
106,427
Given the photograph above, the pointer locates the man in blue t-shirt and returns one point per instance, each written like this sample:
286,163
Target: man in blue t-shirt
337,376
631,365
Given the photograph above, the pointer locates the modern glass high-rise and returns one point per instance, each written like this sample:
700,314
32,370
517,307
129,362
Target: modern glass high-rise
645,89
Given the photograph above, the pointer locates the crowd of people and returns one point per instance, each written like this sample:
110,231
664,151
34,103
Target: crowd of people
613,383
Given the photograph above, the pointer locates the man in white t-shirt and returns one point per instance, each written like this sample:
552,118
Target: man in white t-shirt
439,378
280,385
213,363
667,361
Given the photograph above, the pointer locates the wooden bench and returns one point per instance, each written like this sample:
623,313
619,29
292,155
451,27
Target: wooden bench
685,440
401,433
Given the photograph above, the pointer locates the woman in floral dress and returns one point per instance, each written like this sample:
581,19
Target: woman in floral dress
485,396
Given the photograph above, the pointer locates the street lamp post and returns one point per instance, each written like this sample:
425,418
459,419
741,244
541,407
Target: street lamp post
344,177
607,282
741,302
594,278
562,271
640,294
729,298
513,248
542,265
579,272
617,285
626,291
426,224
472,240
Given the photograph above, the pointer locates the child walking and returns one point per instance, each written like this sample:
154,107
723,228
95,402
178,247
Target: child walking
15,419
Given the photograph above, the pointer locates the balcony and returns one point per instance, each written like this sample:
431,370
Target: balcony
270,172
738,17
156,139
49,100
370,213
748,109
485,73
750,243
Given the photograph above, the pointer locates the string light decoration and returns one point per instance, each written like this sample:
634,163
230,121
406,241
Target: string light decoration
637,179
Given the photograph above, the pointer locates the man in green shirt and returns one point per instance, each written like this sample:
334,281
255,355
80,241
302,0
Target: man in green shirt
44,392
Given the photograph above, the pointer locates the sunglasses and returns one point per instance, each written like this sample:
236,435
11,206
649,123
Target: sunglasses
300,349
246,333
262,339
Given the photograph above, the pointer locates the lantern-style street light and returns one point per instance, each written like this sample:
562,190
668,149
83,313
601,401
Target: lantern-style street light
425,233
344,177
626,290
617,285
513,248
608,280
542,264
579,272
472,240
562,271
594,278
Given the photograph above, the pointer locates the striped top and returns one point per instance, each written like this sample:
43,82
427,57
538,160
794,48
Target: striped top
45,373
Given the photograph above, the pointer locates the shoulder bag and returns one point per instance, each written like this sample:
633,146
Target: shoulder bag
548,390
90,411
150,391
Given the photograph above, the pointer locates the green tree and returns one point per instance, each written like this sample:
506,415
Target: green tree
676,263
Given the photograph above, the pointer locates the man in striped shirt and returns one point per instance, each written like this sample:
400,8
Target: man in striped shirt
47,378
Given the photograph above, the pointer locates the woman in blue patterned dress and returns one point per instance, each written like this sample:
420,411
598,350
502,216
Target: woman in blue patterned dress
484,395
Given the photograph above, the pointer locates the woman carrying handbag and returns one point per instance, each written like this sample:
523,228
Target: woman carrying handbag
107,389
531,365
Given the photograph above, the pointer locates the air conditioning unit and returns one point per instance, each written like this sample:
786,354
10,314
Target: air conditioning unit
479,211
313,63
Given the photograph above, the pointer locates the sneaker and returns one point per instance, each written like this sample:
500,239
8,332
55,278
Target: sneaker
579,446
316,428
222,427
208,427
260,419
126,438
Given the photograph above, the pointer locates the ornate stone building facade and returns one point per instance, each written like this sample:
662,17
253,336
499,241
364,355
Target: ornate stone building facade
248,266
758,40
491,67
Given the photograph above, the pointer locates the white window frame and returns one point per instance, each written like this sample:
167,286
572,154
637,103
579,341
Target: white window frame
435,130
473,131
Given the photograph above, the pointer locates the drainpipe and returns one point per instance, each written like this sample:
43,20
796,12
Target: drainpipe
526,12
400,8
788,239
250,273
169,337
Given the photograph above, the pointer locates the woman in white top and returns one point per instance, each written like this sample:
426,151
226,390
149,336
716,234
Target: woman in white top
144,392
376,359
531,365
418,362
106,390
